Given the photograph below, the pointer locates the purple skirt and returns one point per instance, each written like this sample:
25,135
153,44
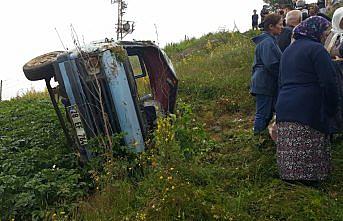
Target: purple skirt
303,153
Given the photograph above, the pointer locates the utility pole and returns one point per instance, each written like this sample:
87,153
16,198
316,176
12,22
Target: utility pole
0,90
123,27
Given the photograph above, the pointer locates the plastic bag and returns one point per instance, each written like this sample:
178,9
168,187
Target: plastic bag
273,131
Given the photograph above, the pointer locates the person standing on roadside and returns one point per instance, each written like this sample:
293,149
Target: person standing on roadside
333,45
264,80
255,20
308,98
264,12
293,18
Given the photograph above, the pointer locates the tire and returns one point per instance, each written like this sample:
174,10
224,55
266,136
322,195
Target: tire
41,67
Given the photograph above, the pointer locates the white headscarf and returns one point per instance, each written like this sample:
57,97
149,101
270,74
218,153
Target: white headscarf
336,20
336,29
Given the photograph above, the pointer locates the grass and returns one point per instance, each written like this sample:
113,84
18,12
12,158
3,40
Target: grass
37,171
217,169
204,162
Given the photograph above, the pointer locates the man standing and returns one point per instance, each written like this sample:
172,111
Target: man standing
255,20
293,18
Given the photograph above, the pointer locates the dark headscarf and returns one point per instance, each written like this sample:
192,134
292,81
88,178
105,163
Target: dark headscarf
312,28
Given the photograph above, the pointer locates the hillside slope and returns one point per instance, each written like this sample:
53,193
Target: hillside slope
206,165
231,175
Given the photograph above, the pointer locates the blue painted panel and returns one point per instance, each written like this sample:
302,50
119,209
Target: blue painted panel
73,107
67,83
123,102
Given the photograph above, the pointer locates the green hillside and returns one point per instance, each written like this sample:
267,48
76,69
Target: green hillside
203,164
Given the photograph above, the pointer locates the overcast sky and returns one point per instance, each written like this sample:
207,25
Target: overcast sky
28,27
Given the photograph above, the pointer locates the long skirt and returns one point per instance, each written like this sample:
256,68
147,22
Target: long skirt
336,123
303,153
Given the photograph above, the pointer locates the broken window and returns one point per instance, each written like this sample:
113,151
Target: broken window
140,75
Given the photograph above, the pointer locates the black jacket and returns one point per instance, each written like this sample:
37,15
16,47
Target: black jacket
284,39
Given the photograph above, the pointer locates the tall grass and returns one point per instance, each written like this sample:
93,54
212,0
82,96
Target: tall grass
32,93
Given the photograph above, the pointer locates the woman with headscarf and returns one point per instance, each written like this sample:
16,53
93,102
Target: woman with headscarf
334,45
307,98
336,36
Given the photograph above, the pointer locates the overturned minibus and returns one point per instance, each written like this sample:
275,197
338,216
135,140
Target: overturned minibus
108,87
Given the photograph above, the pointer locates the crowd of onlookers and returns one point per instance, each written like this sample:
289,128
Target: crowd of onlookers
297,75
321,8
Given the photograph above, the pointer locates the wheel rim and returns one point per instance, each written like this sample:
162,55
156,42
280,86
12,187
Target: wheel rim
43,59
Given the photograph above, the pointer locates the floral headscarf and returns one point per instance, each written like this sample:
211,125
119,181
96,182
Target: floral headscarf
312,28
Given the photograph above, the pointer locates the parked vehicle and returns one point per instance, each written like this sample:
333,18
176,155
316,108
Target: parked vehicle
109,87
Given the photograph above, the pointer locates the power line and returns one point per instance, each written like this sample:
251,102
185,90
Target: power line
59,37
